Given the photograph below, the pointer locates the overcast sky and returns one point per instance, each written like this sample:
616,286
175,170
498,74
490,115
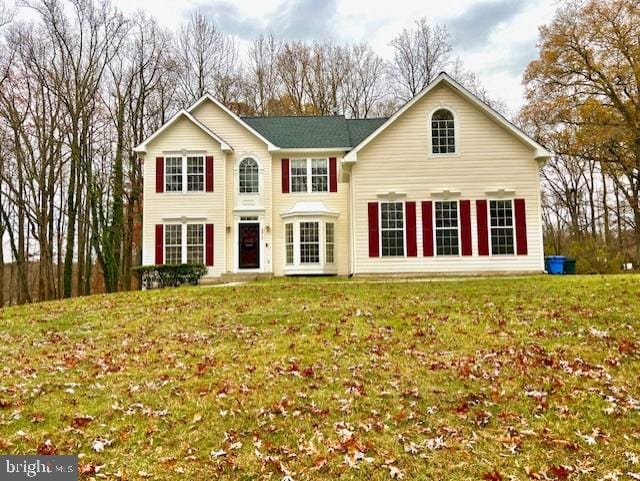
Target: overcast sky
495,38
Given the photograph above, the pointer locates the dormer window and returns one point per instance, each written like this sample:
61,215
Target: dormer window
443,138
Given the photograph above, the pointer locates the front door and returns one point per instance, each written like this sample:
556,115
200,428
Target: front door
249,248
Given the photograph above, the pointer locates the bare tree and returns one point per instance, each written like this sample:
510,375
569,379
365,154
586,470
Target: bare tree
419,54
207,60
264,85
363,87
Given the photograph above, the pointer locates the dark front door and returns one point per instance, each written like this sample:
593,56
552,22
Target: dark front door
249,239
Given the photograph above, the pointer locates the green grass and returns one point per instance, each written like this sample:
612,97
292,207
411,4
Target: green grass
521,378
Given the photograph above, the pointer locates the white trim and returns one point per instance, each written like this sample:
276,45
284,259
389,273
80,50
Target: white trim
313,150
306,209
445,194
142,147
540,151
456,132
207,96
404,228
513,228
435,228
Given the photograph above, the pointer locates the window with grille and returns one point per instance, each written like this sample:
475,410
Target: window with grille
195,174
288,242
309,243
329,243
173,244
392,228
446,228
298,175
248,176
319,175
195,243
443,139
502,235
173,174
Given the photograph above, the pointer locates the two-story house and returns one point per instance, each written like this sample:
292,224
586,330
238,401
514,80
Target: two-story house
445,185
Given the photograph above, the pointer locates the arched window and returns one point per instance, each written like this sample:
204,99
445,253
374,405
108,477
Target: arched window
443,138
248,176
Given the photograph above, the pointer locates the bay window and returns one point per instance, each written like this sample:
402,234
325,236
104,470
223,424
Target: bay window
309,246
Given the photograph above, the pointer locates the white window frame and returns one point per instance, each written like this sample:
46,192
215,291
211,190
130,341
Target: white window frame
456,133
288,244
332,243
513,227
404,228
248,157
184,174
435,228
166,245
186,243
321,267
309,175
318,227
184,240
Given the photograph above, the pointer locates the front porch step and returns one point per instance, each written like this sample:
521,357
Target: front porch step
244,276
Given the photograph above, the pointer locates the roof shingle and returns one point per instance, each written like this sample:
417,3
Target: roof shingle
299,132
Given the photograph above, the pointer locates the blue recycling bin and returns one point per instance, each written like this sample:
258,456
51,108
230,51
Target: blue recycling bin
555,264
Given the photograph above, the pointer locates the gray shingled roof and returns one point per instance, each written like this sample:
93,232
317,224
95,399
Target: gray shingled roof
314,132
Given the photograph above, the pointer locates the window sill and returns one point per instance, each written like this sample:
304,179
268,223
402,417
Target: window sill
290,270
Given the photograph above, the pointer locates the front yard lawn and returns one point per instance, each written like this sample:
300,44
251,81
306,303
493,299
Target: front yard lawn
488,379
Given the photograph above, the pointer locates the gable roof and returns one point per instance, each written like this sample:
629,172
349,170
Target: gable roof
208,96
142,147
540,151
314,132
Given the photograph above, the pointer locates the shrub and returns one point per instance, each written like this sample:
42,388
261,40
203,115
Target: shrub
593,257
159,276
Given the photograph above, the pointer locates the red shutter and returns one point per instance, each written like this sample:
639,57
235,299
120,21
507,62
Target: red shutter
159,174
285,176
412,246
333,175
159,244
208,236
427,228
521,227
208,172
483,231
465,227
374,234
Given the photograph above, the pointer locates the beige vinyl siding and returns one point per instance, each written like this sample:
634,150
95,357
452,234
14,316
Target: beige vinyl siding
489,158
335,201
244,144
197,207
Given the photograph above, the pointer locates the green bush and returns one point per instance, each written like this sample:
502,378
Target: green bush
159,276
593,257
